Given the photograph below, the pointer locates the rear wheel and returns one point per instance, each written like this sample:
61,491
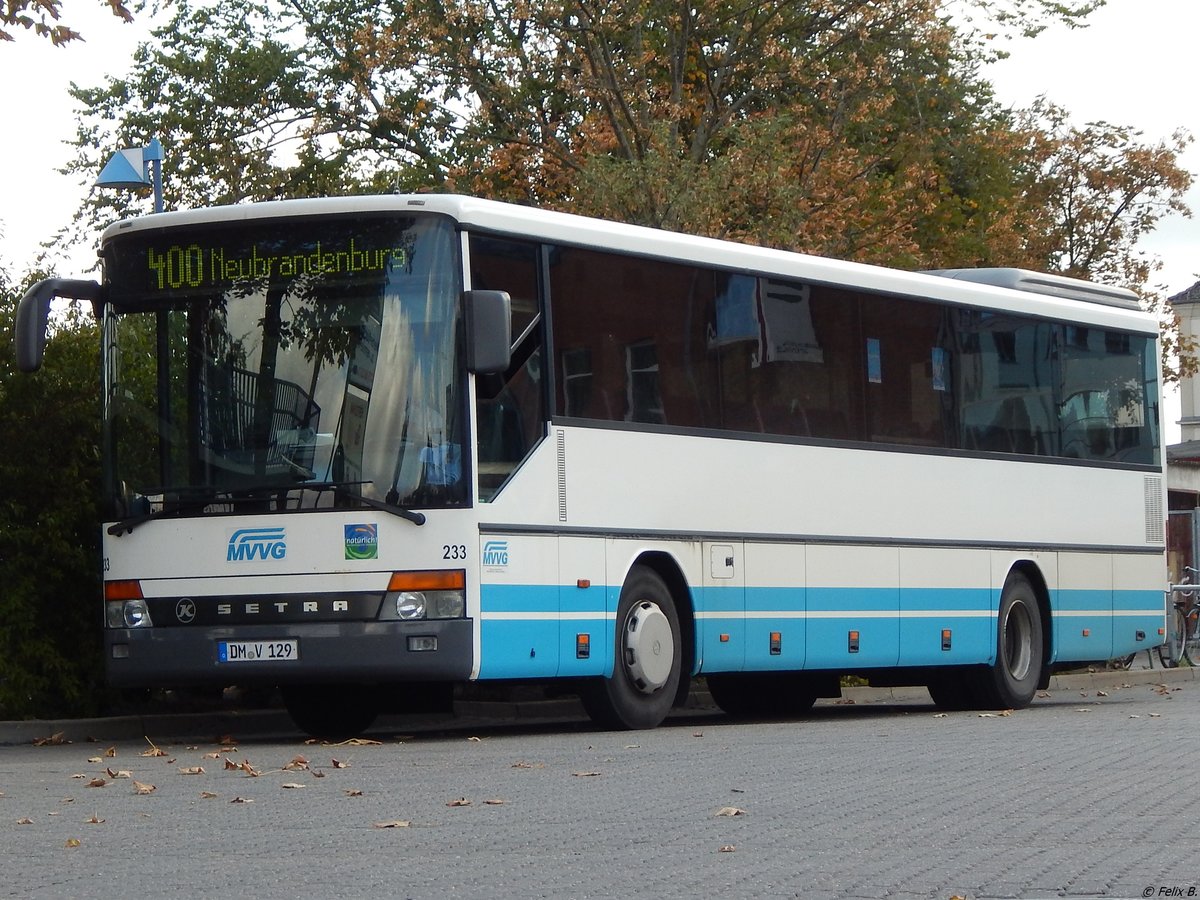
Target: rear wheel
647,659
331,712
1012,682
761,694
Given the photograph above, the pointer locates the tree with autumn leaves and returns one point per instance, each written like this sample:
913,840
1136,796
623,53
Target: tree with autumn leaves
860,129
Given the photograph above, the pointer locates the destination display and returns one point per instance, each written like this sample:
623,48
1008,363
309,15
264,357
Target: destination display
218,259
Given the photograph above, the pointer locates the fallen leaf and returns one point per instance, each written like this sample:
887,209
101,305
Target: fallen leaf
94,820
1083,709
207,795
140,787
97,782
395,823
53,740
1134,716
730,811
227,740
241,800
586,774
110,752
726,848
495,801
1044,695
317,773
475,740
461,801
941,715
353,792
25,821
95,759
230,764
72,843
359,742
298,762
525,765
191,770
153,751
291,785
250,771
1101,694
697,734
79,775
216,754
340,764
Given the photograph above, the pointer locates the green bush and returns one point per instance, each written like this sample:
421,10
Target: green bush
50,607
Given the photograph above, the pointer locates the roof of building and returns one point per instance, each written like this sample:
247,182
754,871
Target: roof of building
1191,295
1185,452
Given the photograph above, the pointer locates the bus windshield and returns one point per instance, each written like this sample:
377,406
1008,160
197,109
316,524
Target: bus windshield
283,363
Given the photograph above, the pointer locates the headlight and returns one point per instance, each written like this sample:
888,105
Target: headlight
409,605
127,614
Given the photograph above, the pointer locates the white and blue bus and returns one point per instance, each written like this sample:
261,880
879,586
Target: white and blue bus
367,448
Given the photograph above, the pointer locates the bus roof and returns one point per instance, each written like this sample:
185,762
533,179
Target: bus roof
1018,290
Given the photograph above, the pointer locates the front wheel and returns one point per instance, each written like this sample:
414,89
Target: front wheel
1020,645
331,712
647,658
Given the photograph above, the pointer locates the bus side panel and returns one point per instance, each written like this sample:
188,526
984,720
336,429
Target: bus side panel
1139,602
585,629
518,606
776,600
853,607
1083,613
721,608
946,615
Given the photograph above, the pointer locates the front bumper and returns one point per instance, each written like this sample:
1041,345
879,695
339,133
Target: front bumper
346,652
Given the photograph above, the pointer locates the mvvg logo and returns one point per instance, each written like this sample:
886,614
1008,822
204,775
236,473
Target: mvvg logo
257,543
495,553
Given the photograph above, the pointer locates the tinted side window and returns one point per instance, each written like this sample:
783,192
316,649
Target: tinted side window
630,338
1005,384
509,414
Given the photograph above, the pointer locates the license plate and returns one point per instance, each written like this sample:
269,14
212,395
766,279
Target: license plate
258,651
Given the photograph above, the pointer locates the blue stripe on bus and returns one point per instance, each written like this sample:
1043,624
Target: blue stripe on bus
524,634
533,631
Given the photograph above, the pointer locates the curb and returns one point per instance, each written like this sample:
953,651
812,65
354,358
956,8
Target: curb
265,724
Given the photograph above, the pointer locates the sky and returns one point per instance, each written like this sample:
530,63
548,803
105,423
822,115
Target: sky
1133,65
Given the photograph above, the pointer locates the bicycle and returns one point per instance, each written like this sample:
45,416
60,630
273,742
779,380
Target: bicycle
1183,630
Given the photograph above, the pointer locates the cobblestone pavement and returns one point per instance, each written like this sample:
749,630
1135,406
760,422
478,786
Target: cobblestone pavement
1081,795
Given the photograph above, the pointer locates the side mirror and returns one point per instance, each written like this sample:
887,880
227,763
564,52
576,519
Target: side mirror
33,316
489,330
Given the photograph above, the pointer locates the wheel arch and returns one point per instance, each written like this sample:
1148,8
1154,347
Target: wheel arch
1033,574
668,569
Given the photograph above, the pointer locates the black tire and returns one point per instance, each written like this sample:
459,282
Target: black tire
647,658
331,712
749,695
1020,649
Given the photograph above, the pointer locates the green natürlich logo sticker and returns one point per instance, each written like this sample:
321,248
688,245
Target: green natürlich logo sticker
362,541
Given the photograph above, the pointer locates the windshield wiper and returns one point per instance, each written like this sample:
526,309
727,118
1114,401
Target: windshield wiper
256,493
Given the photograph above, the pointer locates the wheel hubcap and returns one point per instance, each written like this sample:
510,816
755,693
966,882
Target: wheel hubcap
649,647
1018,641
